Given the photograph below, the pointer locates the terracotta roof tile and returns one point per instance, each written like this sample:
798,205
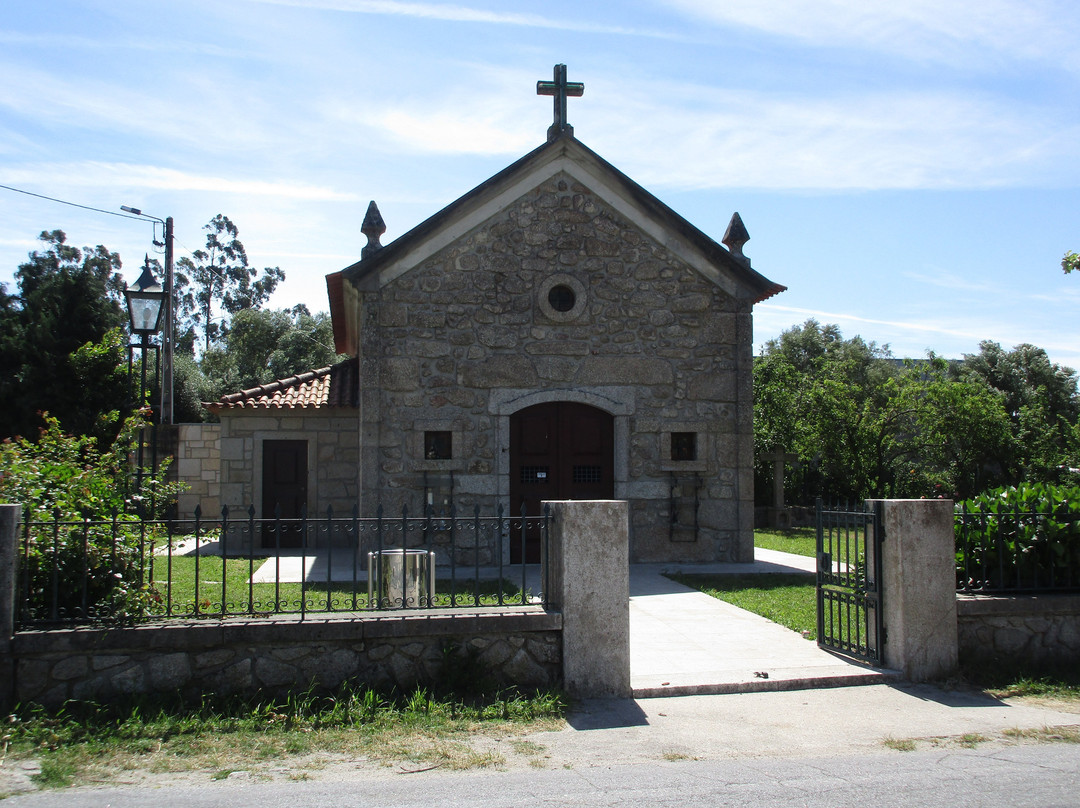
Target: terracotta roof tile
335,386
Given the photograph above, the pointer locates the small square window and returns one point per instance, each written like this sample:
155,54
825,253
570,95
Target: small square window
684,445
438,445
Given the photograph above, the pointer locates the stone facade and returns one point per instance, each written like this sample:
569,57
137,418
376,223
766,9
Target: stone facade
272,656
333,455
1040,630
197,464
468,337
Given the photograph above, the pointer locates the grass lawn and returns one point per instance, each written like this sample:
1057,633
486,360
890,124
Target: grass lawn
179,596
788,599
84,742
800,540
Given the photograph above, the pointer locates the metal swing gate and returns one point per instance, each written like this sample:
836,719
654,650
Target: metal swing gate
849,614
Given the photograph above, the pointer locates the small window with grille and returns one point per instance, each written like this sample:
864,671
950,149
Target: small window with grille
586,474
684,446
534,475
438,445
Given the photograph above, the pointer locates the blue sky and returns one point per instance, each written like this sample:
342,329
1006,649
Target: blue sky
910,170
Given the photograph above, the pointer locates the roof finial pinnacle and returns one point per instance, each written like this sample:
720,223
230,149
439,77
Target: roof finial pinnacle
735,237
373,227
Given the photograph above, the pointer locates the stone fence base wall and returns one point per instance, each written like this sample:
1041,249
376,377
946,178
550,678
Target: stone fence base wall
522,647
1033,630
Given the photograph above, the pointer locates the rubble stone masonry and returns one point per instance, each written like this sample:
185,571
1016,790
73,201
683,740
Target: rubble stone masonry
460,342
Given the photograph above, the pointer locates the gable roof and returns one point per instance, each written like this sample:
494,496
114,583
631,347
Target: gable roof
564,154
334,386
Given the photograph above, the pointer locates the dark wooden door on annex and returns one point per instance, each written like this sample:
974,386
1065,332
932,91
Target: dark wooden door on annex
559,450
284,487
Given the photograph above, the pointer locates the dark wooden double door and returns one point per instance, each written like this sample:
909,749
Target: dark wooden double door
559,450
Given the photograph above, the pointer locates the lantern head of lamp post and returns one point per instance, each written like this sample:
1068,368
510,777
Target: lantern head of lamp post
145,303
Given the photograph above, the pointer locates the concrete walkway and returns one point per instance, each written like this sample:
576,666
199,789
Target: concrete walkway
684,642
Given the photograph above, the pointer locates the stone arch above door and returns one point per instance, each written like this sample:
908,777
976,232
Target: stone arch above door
618,401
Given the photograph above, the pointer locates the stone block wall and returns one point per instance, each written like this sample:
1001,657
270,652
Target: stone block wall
333,458
521,648
197,463
1035,630
469,336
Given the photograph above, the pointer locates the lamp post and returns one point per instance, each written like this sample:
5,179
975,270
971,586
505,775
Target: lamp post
145,301
169,337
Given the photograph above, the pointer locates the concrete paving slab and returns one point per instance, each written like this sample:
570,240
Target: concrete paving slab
684,642
849,720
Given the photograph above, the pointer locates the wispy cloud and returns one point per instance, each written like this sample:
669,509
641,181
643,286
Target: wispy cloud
79,103
717,138
465,14
843,317
689,136
948,280
125,175
962,32
913,337
157,45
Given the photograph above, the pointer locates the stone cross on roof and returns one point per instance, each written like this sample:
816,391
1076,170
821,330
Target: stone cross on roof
561,89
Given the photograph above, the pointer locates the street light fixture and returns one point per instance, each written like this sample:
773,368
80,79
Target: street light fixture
169,336
145,303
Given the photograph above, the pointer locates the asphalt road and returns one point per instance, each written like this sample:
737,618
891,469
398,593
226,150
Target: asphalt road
1037,775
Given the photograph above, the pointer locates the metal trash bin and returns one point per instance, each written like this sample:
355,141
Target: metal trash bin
392,573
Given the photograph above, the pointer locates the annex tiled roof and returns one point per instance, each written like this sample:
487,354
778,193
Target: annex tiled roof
335,386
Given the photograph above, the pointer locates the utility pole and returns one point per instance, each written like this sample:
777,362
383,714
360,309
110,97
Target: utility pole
169,337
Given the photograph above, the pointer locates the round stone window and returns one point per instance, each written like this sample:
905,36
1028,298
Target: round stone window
561,297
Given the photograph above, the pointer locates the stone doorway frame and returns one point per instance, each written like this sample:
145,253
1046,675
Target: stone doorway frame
619,402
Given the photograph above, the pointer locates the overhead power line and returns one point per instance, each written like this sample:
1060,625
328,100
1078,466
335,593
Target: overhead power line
72,204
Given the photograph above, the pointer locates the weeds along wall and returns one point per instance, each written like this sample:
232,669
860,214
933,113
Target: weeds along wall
522,648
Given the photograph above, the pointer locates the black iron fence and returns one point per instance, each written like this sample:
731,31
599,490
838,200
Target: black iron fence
1016,552
128,569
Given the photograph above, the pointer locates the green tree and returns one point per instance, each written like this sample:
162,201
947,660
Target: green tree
1070,262
263,345
191,387
819,396
218,277
951,436
67,298
1041,400
863,424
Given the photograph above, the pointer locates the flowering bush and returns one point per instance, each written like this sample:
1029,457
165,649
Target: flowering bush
84,555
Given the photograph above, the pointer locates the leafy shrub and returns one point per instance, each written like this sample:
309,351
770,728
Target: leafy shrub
84,554
1020,537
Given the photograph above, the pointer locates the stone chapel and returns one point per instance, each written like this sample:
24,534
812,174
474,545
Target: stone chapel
558,332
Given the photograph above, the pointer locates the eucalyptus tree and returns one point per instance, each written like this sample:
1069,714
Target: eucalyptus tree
217,282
